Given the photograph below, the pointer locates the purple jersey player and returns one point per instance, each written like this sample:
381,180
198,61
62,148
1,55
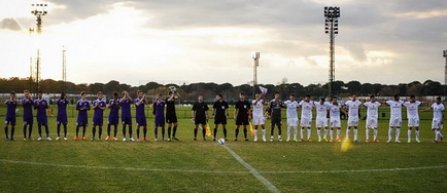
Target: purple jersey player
158,110
114,107
99,105
126,116
10,118
62,103
82,106
140,115
27,104
42,119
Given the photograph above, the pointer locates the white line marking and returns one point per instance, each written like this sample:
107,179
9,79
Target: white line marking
373,170
253,171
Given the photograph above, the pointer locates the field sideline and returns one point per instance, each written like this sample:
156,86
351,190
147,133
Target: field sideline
188,166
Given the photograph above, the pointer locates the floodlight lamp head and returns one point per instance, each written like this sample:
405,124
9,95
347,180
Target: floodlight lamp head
257,55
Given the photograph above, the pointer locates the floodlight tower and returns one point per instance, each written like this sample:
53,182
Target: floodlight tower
445,75
256,56
38,10
331,15
64,69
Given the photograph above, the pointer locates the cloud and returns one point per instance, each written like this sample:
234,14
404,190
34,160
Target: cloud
10,24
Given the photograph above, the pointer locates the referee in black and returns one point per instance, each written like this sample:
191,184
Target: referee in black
242,110
200,116
220,115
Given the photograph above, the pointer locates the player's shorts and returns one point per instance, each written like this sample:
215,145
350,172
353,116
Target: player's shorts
159,121
395,121
335,123
141,121
413,121
258,120
242,120
306,122
220,120
353,121
28,122
126,120
98,121
200,121
171,118
113,121
436,124
321,122
372,123
62,119
292,122
42,120
10,120
276,121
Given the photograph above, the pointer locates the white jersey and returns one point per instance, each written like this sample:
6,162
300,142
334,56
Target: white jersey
438,109
258,108
354,107
334,111
395,107
412,109
292,106
372,109
306,109
321,109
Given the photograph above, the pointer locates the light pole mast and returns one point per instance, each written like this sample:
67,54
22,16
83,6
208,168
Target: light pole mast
64,69
38,10
331,15
256,58
445,75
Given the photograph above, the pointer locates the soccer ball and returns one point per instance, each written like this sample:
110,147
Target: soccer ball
221,141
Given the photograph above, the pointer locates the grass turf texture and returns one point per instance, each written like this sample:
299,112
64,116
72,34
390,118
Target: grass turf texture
268,158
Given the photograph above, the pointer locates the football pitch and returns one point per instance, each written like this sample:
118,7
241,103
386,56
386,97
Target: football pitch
197,166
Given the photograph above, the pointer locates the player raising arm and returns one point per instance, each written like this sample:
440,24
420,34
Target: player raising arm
413,117
113,116
372,116
438,117
220,112
42,119
27,104
10,118
126,116
140,114
62,119
158,110
83,106
171,116
306,117
292,117
395,117
200,117
99,105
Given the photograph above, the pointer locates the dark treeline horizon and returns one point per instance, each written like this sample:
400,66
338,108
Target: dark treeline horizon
189,92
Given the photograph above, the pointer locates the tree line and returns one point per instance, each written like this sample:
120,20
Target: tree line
189,92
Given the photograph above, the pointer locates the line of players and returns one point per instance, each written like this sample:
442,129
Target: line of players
244,112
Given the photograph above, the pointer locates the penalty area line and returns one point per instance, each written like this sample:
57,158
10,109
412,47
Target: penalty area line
253,171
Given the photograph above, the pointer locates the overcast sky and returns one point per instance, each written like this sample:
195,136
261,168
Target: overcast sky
177,41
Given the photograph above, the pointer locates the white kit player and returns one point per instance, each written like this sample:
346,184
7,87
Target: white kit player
413,117
438,117
353,117
292,117
322,108
335,122
372,116
258,115
395,118
306,117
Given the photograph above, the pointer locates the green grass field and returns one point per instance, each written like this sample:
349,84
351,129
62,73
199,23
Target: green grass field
188,166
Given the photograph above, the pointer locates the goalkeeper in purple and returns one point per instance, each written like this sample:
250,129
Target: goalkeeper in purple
158,111
140,115
99,105
83,106
10,118
126,116
42,119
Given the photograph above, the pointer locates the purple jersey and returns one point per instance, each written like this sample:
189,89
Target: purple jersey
11,111
62,111
125,108
158,110
140,115
114,109
41,105
27,110
98,115
82,106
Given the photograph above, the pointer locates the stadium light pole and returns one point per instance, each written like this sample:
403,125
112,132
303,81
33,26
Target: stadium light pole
331,15
445,75
38,10
256,56
64,69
